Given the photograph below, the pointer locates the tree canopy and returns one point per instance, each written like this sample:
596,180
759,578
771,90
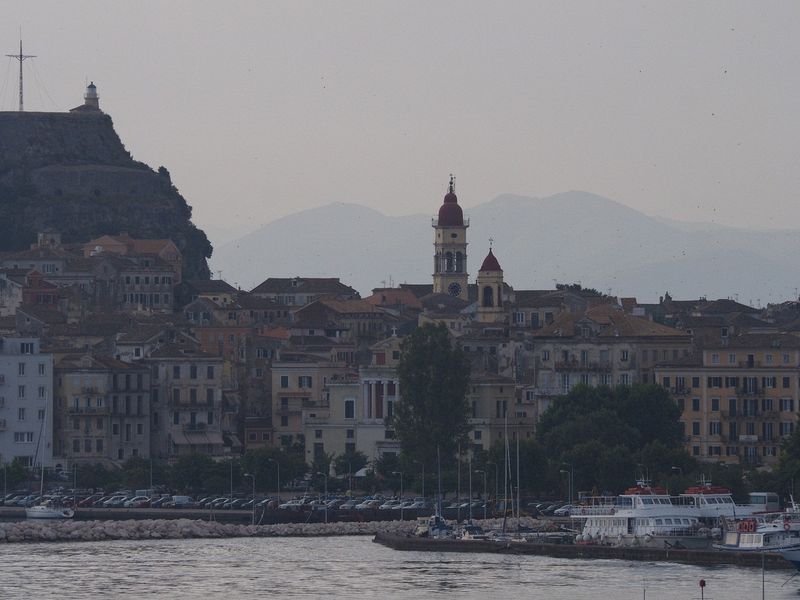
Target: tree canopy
434,377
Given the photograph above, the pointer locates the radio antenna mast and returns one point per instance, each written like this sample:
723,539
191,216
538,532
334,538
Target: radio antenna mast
21,58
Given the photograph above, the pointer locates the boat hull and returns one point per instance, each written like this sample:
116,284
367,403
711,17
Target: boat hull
49,512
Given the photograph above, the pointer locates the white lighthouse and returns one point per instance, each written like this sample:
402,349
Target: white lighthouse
90,97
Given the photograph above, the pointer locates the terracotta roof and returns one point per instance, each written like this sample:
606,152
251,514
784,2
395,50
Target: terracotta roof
611,322
490,263
304,285
393,297
211,285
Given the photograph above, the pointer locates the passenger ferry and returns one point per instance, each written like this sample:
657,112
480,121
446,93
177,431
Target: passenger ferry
715,503
642,516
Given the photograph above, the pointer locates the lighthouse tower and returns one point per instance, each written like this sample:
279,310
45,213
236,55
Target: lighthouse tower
450,247
90,97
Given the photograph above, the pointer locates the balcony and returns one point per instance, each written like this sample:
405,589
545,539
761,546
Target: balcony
578,365
195,426
89,410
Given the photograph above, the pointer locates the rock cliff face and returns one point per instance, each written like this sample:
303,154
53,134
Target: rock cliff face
70,172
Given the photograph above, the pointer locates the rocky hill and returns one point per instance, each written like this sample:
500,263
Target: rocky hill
70,172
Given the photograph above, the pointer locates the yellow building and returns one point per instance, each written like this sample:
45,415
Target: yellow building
739,397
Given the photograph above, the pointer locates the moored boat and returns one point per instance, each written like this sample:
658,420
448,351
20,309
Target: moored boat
46,511
642,516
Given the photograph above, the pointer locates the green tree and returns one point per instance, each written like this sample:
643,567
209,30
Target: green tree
16,473
190,472
610,436
349,462
433,413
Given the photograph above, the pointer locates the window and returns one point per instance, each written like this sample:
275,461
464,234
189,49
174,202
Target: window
768,359
731,358
99,424
76,446
176,418
23,437
695,382
714,428
26,348
318,434
477,434
176,372
98,445
787,382
380,358
210,396
128,432
787,404
304,381
21,369
21,414
349,409
284,421
21,391
786,359
351,434
193,396
624,379
696,404
40,414
623,355
695,427
545,355
284,381
115,429
714,358
139,429
42,369
681,404
715,404
665,382
193,372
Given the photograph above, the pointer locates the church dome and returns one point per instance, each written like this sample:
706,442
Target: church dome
450,213
490,263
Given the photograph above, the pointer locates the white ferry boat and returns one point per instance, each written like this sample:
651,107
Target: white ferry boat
775,532
715,503
642,516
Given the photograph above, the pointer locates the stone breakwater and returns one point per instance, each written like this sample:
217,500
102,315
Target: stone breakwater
157,529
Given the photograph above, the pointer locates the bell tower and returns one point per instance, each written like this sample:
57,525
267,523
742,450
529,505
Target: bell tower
450,247
490,291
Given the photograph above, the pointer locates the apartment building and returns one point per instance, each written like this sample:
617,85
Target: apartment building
739,397
26,402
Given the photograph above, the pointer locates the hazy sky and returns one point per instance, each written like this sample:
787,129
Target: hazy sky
259,109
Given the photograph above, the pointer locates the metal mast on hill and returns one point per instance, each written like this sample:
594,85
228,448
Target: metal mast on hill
21,58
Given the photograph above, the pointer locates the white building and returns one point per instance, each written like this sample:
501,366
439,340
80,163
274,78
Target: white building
26,410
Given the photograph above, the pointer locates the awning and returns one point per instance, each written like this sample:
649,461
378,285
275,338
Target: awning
197,438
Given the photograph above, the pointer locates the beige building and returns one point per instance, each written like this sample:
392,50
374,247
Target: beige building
299,386
191,412
355,408
102,410
601,346
498,408
739,397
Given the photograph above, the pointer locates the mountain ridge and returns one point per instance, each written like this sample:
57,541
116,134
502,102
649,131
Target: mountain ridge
567,237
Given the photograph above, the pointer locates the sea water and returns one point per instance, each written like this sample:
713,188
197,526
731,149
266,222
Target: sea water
350,567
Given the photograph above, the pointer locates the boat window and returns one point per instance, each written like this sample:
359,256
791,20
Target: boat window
647,500
658,522
667,521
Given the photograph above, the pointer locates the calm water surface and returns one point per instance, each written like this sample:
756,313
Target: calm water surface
345,567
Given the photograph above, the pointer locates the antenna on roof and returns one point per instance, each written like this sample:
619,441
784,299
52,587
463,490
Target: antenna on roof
21,58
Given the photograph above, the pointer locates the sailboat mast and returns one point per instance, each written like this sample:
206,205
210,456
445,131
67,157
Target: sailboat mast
519,508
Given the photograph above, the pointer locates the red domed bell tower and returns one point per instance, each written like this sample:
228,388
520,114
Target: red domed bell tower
450,247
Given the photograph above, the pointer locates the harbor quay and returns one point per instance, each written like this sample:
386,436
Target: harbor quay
683,556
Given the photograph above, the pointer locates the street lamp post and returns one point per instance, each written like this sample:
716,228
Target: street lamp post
419,462
253,477
401,492
278,465
470,490
570,480
325,475
484,491
496,487
5,483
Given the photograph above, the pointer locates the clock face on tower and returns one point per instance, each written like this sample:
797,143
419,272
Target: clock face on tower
454,289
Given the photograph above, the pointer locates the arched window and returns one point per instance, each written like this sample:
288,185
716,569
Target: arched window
448,258
488,297
459,262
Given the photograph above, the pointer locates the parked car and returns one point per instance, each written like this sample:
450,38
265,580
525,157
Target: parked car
89,501
564,511
137,502
159,502
296,504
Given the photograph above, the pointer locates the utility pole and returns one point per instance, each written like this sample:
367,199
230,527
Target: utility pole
21,58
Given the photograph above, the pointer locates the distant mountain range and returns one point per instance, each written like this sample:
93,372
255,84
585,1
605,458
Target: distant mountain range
568,237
